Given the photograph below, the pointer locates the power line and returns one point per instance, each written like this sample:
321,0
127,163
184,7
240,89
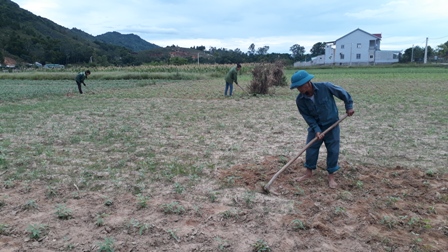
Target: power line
440,37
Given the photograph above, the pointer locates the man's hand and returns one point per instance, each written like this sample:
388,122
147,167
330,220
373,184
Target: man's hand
84,84
320,136
350,112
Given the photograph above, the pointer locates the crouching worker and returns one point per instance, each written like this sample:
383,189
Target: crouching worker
80,79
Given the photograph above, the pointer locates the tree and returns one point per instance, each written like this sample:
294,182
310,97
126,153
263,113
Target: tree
297,52
430,52
16,44
178,61
412,54
251,49
318,49
416,54
442,50
200,48
263,50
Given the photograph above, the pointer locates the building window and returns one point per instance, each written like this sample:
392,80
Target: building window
342,56
358,45
358,56
371,56
372,44
342,46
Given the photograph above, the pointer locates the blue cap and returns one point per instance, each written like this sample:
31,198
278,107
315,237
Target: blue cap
299,78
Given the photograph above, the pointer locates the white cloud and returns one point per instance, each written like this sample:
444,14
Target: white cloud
237,24
409,10
43,6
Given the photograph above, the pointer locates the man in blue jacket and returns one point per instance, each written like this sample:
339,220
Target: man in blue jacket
317,106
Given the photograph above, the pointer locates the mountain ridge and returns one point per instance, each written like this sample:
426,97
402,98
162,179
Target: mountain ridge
27,37
130,41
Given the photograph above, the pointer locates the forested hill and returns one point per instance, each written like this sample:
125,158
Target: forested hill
130,41
27,38
30,38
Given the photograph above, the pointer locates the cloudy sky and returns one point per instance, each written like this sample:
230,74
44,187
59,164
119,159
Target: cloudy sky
233,24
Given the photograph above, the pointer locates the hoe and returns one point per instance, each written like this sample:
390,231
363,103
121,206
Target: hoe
266,187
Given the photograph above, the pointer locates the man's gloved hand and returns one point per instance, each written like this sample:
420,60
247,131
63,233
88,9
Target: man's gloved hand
84,84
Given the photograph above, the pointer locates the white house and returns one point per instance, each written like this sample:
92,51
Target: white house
356,48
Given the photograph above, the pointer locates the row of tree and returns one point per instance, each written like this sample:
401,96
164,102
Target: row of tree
261,54
53,51
298,53
417,53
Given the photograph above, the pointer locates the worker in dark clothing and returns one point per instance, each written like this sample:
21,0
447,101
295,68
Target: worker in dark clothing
231,77
80,79
318,108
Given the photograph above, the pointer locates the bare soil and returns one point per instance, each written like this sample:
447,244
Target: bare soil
373,209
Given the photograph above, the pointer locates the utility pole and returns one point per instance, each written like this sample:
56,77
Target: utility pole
198,58
351,45
412,54
426,51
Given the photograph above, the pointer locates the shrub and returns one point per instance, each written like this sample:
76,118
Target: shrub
142,201
260,246
30,204
173,208
107,245
36,231
388,221
4,229
298,225
62,212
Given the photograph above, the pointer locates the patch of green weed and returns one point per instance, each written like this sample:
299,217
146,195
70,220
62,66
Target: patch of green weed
173,208
63,212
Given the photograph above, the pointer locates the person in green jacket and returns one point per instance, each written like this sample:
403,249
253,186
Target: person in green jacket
80,79
232,76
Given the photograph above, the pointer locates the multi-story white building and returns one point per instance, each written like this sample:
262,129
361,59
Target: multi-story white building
356,48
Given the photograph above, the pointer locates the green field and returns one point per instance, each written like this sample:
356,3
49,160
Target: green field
155,141
401,119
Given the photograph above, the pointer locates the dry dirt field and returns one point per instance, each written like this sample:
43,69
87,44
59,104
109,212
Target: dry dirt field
156,169
394,209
